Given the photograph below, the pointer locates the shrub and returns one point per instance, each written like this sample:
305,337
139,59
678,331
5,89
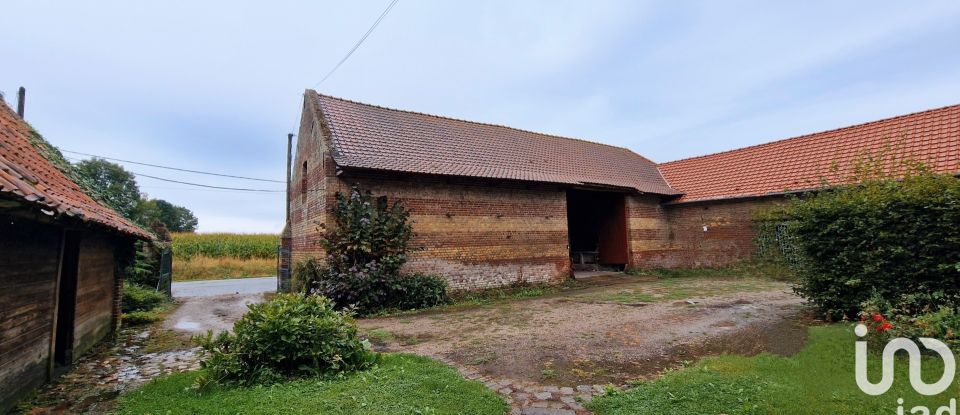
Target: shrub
307,275
140,298
292,335
419,291
136,318
897,240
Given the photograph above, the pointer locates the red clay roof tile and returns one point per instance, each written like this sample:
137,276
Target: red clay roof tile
27,175
372,137
803,163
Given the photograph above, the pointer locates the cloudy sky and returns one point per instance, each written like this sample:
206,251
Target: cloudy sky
216,85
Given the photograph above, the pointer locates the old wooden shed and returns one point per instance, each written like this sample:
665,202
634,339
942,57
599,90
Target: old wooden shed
61,259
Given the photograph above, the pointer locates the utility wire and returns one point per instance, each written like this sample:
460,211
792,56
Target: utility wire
200,189
359,42
239,189
174,168
207,185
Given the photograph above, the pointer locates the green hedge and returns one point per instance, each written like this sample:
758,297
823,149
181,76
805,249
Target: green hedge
895,240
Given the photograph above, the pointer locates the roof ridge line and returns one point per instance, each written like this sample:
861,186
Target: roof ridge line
798,137
473,122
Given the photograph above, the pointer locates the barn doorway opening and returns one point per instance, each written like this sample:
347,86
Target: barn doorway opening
66,303
597,229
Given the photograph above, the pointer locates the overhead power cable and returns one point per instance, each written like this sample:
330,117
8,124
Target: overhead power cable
207,185
174,168
359,42
201,189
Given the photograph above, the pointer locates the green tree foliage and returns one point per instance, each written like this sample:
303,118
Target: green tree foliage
896,240
174,218
115,186
118,188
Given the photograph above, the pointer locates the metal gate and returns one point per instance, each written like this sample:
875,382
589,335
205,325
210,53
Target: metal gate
165,271
283,269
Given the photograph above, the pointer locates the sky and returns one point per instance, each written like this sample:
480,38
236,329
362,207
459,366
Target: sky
216,85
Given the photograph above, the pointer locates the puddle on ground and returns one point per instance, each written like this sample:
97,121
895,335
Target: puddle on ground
187,325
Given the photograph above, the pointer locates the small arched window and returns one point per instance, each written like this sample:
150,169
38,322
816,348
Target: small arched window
303,183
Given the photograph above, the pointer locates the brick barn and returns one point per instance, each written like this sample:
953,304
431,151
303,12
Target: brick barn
60,263
494,205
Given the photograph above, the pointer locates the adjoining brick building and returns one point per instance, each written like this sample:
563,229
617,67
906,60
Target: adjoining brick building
60,270
494,205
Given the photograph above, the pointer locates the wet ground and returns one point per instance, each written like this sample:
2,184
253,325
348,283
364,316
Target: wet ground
135,356
197,315
624,328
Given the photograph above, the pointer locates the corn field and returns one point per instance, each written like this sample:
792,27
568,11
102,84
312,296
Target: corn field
225,245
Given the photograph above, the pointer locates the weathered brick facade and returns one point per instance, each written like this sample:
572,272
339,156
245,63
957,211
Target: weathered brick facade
490,203
475,233
692,235
480,233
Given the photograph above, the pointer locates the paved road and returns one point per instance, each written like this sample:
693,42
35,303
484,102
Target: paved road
214,288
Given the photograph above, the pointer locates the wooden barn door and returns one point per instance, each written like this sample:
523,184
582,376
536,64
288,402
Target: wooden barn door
613,233
66,302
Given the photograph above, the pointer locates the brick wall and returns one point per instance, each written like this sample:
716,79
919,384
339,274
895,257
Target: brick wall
673,236
311,170
478,234
475,234
486,233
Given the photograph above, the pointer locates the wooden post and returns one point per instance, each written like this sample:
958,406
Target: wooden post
21,98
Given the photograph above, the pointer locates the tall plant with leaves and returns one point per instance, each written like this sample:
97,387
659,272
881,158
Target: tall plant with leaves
368,231
366,248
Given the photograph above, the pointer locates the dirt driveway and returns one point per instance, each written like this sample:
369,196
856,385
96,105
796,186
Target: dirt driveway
622,328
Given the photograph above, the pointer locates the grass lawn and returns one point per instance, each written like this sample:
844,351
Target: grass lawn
402,384
818,380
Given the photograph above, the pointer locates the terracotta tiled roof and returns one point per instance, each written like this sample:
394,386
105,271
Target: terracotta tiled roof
800,163
26,175
371,137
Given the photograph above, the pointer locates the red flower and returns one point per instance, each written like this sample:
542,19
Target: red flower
885,326
877,317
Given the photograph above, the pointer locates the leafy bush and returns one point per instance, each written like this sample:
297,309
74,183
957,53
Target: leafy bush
136,318
419,291
140,298
375,293
292,335
898,240
307,275
218,245
365,251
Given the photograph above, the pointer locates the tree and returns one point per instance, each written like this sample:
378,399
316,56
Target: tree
176,218
118,189
115,186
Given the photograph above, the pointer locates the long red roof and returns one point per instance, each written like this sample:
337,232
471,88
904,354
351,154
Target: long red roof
372,137
27,175
803,163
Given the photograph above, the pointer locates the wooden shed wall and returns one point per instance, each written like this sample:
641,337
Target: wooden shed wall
95,291
29,261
